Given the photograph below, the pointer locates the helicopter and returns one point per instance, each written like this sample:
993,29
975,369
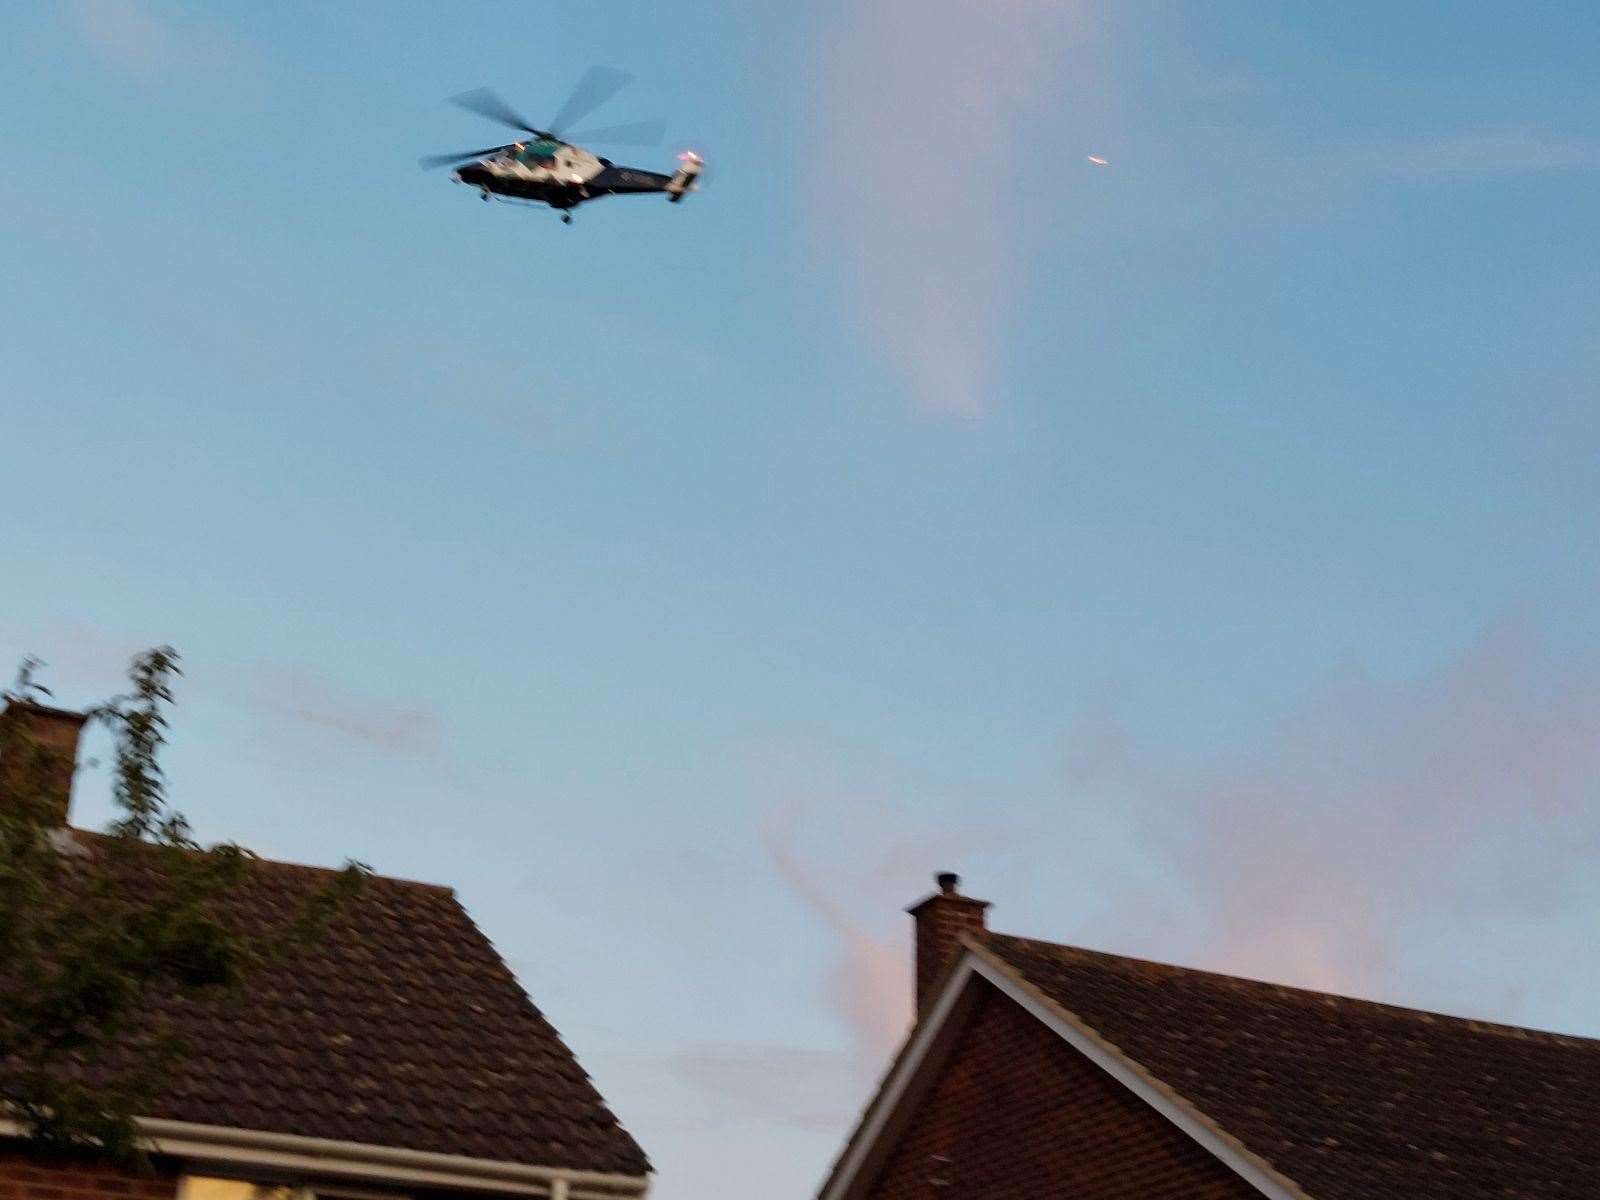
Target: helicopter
549,167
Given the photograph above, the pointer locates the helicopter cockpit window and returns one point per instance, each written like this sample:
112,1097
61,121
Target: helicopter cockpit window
539,154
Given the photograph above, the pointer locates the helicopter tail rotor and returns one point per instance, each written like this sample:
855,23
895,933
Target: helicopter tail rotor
690,168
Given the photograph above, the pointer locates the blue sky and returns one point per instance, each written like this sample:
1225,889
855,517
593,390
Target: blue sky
1199,552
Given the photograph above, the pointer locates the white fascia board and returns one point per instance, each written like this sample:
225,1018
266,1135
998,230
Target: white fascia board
330,1159
360,1160
903,1073
977,963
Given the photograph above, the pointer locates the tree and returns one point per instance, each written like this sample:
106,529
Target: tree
99,932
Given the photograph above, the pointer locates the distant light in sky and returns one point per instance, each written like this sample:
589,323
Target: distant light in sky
1098,161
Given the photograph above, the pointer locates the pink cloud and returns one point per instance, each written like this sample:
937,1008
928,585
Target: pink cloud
1384,818
923,117
1428,840
870,984
856,863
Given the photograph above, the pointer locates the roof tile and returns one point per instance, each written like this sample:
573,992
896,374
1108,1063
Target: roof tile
400,1027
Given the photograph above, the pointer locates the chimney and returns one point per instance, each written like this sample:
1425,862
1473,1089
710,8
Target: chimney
39,746
940,920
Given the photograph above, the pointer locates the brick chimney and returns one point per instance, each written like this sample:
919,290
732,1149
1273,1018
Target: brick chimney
40,748
940,920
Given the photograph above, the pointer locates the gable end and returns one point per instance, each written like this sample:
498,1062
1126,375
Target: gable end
1001,1092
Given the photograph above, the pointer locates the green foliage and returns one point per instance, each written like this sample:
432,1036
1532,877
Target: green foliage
98,933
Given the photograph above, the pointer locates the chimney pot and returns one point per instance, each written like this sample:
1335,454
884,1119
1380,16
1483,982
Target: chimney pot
940,921
42,744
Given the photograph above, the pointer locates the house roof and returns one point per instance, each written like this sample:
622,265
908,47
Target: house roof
1305,1095
400,1027
1348,1099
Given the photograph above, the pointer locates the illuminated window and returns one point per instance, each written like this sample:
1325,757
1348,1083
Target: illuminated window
209,1187
202,1187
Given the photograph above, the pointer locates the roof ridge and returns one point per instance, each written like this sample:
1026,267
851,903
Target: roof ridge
95,835
1309,996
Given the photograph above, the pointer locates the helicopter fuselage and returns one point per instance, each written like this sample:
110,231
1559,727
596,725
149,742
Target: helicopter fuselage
564,176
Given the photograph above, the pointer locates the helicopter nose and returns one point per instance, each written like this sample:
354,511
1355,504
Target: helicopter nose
471,173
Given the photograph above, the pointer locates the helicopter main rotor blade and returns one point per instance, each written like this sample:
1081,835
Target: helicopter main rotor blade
597,86
639,133
487,103
429,162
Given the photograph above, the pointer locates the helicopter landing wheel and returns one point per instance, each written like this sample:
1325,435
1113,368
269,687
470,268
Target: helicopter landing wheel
486,195
566,218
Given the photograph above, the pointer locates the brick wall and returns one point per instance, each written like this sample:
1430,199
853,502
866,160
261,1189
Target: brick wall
940,920
1017,1114
28,1179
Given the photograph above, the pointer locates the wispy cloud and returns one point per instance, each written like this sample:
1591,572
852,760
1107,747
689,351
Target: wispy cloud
318,706
545,416
1425,840
799,1088
133,36
856,862
870,984
1232,177
83,663
1463,153
925,103
1382,819
123,32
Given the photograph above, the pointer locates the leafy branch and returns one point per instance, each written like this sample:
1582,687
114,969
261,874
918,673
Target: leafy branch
101,933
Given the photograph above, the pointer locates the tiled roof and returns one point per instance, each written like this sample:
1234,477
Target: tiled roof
400,1027
1350,1099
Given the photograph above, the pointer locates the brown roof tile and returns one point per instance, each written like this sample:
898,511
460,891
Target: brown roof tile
401,1027
1350,1099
